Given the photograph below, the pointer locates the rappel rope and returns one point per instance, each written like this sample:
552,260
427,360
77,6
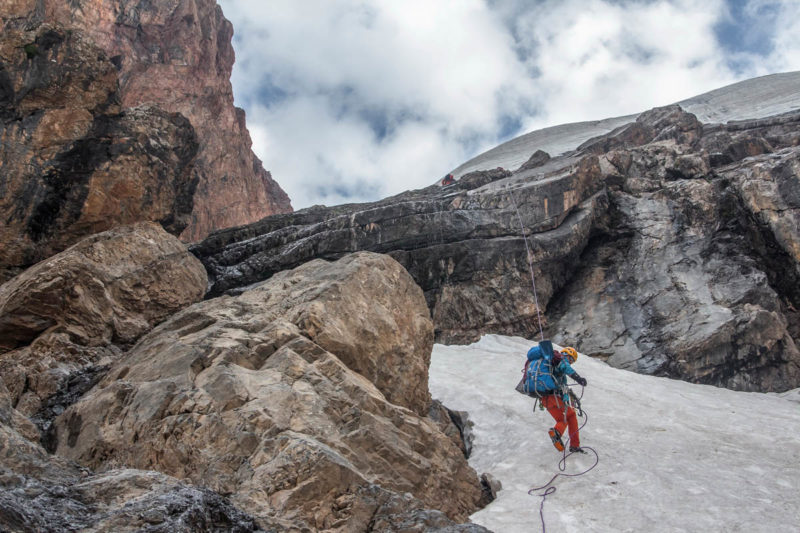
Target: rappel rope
442,244
530,265
562,464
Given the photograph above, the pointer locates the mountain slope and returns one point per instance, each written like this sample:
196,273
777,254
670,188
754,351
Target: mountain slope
669,247
753,98
673,456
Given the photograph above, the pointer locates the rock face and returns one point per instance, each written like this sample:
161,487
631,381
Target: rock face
694,272
112,114
178,56
462,245
667,246
304,398
68,317
74,162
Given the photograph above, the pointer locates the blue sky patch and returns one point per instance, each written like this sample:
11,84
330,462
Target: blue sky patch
748,27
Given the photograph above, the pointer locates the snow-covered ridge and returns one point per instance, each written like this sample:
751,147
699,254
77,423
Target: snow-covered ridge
753,98
674,456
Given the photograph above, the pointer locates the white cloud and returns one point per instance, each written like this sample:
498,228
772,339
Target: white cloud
615,59
786,53
352,100
390,94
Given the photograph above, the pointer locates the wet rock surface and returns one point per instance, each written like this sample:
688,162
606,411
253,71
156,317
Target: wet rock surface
303,398
667,246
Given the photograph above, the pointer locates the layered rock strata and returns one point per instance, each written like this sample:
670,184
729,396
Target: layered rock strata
303,398
462,245
667,246
66,319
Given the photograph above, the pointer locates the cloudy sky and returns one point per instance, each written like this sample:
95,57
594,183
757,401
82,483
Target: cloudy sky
355,100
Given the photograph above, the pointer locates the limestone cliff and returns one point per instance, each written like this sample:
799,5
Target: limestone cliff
178,56
73,161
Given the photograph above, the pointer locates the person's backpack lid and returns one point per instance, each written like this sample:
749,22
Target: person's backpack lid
534,353
543,349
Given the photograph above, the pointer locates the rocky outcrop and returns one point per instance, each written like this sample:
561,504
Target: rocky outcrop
178,56
42,492
304,398
74,161
461,244
667,247
694,272
454,424
114,114
67,318
539,158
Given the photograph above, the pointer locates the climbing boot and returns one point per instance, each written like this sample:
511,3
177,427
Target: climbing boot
555,436
576,449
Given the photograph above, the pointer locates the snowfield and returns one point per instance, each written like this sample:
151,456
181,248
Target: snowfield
674,456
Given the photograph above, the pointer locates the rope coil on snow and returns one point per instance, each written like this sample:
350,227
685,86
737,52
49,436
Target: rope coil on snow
562,466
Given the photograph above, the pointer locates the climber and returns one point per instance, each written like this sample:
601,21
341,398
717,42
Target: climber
545,378
557,401
448,180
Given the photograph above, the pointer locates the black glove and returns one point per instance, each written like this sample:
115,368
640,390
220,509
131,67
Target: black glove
581,381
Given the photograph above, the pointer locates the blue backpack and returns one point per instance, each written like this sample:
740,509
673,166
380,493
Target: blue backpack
537,376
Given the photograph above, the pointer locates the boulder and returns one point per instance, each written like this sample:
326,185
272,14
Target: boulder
248,396
537,159
67,318
42,492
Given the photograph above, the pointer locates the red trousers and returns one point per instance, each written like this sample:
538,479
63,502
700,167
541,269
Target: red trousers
556,407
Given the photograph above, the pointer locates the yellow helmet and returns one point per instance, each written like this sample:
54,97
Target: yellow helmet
570,352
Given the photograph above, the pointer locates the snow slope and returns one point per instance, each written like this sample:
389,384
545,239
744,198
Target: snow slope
754,98
674,456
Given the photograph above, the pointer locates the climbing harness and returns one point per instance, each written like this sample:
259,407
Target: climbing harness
575,402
